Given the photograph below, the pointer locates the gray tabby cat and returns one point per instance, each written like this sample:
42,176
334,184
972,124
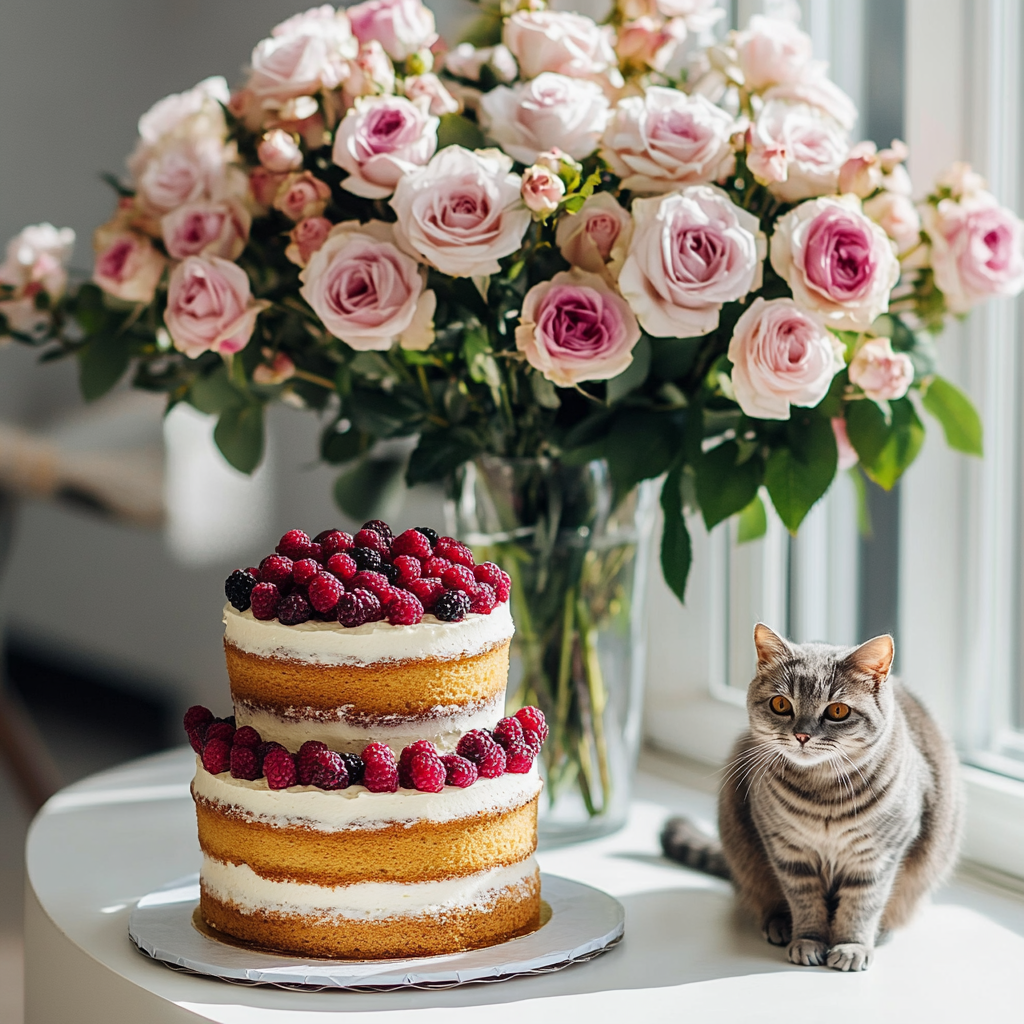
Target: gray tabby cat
841,805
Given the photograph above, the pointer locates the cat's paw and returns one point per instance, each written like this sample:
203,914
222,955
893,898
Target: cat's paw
849,956
778,929
808,952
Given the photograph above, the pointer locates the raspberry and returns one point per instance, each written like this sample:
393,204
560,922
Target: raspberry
494,577
390,572
458,771
197,716
294,545
254,572
482,600
533,718
219,729
276,569
196,738
304,570
358,607
382,528
279,768
381,774
427,532
377,583
324,591
371,539
405,609
343,566
435,566
532,740
293,610
507,732
458,577
518,759
451,606
405,760
503,588
427,590
244,763
217,756
355,766
320,767
428,773
412,542
493,764
247,736
265,748
367,559
332,542
409,568
455,551
238,588
316,552
484,752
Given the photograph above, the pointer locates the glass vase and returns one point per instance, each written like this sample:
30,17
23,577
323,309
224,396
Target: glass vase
578,560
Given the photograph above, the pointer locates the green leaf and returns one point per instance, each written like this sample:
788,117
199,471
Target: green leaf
753,522
371,489
724,485
676,547
673,358
867,429
798,475
102,362
456,130
438,454
634,375
213,394
953,409
380,413
860,487
640,445
544,392
337,447
906,436
239,436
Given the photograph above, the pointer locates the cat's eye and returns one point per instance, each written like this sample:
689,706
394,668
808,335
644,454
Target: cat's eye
838,711
781,705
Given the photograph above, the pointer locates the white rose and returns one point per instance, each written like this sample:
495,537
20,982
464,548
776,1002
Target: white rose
430,88
772,50
897,216
462,212
692,251
664,139
467,61
36,259
550,110
568,44
817,91
699,15
199,109
401,26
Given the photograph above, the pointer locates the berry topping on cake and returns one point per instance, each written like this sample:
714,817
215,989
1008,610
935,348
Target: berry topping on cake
276,569
367,559
533,718
358,607
482,599
197,716
480,748
265,600
332,542
427,773
320,767
294,545
304,570
217,756
244,763
495,577
238,588
413,543
430,534
371,539
381,774
427,590
435,566
279,768
293,609
451,606
376,582
507,732
247,736
409,568
405,760
405,609
459,771
220,729
343,566
379,526
455,551
458,577
324,591
355,766
518,759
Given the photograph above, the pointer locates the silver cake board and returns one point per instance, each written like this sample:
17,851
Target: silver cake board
578,924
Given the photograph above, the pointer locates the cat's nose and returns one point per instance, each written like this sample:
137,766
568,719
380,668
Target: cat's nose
803,737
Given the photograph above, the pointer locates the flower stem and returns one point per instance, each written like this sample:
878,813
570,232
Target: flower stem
598,698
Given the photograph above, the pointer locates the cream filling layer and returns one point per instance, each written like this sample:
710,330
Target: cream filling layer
357,807
329,643
238,884
349,736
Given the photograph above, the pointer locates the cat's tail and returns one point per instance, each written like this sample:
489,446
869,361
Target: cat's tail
683,841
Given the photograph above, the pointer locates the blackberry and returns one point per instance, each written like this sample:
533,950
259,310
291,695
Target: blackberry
452,605
392,572
293,610
381,527
431,535
367,559
238,589
357,607
356,768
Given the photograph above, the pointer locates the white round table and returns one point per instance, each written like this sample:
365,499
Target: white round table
100,845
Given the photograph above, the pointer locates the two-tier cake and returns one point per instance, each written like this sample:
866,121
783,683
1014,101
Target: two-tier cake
368,799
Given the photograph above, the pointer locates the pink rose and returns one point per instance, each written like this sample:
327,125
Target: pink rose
365,291
372,73
650,42
665,138
796,150
276,370
306,237
127,266
36,260
568,44
462,212
401,26
430,88
897,216
575,327
380,139
596,239
279,153
698,15
836,262
818,91
550,110
772,50
883,375
207,229
961,180
302,195
183,171
977,249
264,185
848,457
210,307
781,356
542,189
185,110
861,173
692,251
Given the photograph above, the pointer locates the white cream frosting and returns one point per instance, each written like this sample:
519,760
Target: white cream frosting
357,807
444,728
366,901
329,643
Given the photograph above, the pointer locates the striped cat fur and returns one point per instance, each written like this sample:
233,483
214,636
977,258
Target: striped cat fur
841,807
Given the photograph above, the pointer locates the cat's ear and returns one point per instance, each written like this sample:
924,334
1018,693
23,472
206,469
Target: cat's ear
873,658
771,648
